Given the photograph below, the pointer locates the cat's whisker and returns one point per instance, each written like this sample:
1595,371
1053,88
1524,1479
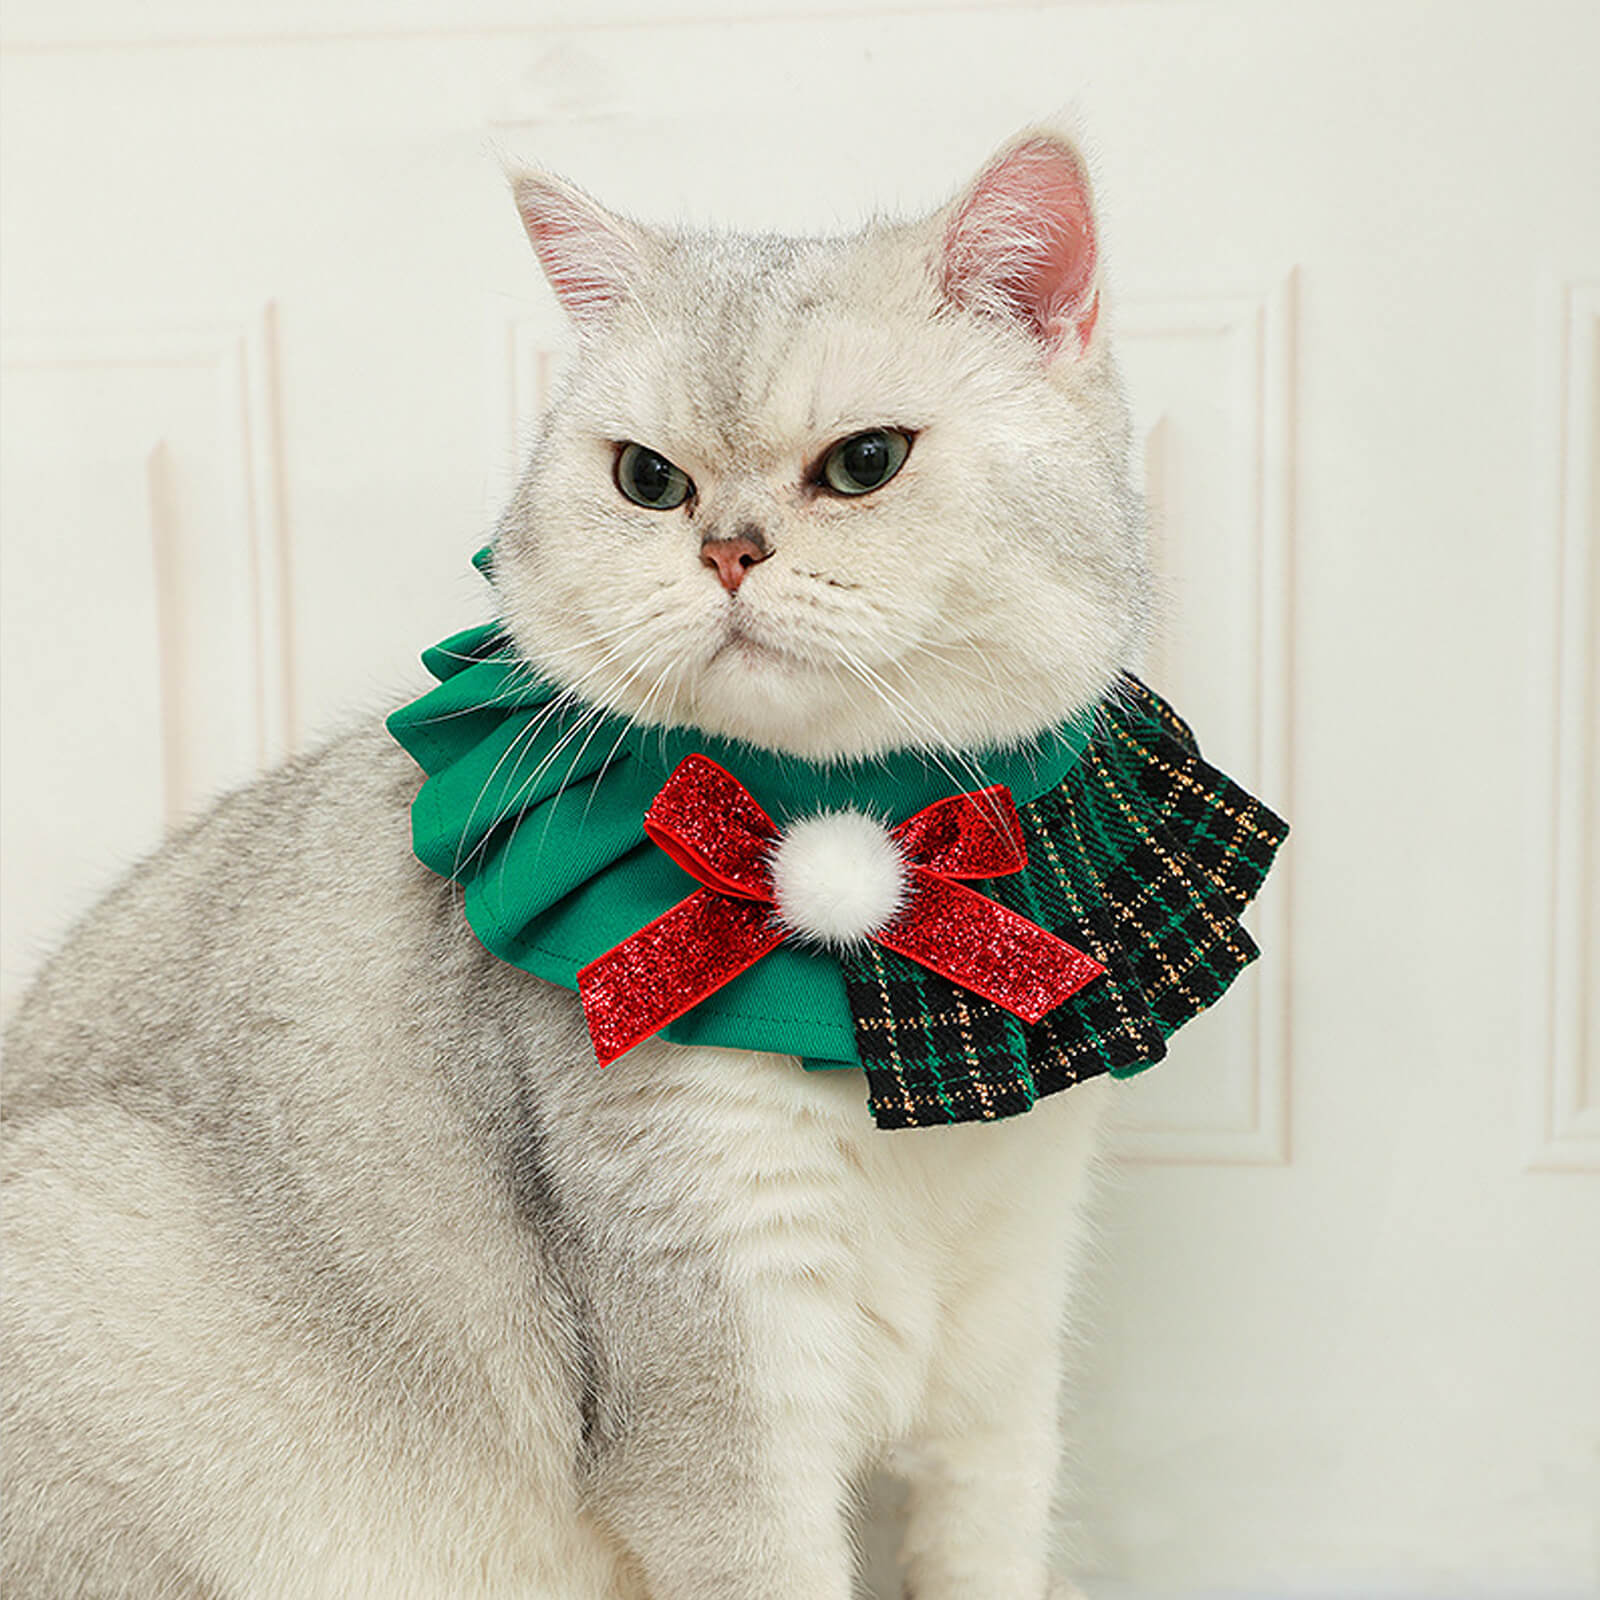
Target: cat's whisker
590,717
522,674
976,780
621,640
936,742
525,739
882,631
633,721
594,710
960,668
598,715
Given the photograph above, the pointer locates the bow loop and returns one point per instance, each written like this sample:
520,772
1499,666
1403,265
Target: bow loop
713,827
976,835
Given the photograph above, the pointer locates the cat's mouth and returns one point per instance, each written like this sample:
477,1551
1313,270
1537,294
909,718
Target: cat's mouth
740,643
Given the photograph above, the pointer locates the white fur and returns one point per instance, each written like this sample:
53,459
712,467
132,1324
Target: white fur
334,1266
838,877
902,1300
911,1294
588,261
997,584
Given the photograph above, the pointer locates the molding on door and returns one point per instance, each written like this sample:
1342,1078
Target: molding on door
235,358
95,24
524,355
1367,1589
1250,1086
1562,1089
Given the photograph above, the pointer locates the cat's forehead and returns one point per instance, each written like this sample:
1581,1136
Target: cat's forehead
764,347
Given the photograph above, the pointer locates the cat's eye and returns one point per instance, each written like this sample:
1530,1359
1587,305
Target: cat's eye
865,461
651,480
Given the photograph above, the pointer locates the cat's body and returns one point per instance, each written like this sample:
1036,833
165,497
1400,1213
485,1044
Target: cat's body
335,1266
378,1303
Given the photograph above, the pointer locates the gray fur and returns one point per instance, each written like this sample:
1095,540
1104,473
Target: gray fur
430,1227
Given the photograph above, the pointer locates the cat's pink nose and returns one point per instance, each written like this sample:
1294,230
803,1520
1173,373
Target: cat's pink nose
732,558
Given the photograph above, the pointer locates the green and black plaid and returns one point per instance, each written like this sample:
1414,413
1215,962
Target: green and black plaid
1144,857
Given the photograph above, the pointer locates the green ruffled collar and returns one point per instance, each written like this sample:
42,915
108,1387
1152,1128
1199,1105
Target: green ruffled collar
1139,853
535,805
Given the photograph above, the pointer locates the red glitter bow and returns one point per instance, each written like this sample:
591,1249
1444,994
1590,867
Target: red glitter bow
711,825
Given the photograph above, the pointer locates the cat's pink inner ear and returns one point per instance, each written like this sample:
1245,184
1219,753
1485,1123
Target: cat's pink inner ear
587,254
1021,244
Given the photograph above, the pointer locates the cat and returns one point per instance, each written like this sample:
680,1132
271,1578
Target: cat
335,1266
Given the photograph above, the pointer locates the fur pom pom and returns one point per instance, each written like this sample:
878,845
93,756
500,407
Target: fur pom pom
838,877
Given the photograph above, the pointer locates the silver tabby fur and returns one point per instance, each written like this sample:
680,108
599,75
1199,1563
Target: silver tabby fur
335,1268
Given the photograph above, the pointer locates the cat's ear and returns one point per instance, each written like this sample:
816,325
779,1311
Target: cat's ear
589,255
1020,244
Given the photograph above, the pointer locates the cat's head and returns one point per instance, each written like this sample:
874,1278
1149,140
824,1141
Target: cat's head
833,496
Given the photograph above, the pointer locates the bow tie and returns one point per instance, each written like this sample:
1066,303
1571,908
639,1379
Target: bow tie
836,878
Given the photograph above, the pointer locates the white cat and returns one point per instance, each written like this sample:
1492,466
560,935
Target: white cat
336,1267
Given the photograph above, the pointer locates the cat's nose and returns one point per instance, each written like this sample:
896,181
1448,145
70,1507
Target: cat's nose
732,558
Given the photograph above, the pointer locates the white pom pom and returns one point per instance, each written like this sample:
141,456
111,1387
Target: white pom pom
838,877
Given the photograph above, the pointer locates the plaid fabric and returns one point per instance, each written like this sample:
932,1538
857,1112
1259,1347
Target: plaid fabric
1144,857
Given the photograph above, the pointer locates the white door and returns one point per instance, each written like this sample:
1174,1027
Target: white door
274,339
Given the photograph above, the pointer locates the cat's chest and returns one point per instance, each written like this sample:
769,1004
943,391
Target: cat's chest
849,1245
793,1163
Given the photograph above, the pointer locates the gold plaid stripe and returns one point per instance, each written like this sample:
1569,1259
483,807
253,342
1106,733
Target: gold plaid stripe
1143,857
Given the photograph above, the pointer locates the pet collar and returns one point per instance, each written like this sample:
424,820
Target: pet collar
1139,859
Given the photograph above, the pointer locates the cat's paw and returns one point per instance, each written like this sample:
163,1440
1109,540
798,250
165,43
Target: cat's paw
1060,1589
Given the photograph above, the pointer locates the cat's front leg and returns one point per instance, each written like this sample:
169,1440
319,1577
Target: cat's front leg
978,1518
712,1519
719,1467
983,1466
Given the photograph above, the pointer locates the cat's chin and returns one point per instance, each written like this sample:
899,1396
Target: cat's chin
753,654
761,695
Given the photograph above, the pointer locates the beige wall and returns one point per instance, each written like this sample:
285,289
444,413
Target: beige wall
273,338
